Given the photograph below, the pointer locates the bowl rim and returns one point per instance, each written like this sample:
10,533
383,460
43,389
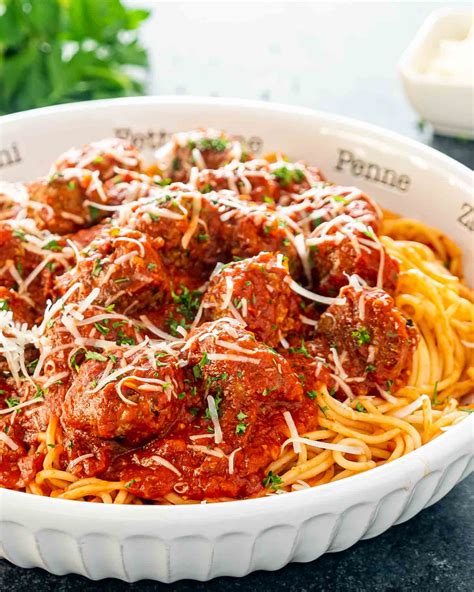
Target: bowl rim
392,474
357,125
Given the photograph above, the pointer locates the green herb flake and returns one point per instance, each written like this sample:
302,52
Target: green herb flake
92,355
240,429
53,245
215,144
272,481
96,268
101,328
19,234
361,336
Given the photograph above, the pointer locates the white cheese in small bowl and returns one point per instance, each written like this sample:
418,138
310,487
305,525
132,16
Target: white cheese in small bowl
437,71
453,61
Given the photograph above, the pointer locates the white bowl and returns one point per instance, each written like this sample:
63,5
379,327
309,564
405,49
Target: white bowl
448,106
169,543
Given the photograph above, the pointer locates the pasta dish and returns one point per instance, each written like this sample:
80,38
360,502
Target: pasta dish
217,326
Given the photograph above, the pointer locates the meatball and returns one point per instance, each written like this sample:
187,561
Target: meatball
293,179
367,337
17,466
21,309
30,259
248,230
65,341
189,224
125,266
252,178
324,202
140,401
258,289
242,390
103,156
204,149
350,248
68,197
13,200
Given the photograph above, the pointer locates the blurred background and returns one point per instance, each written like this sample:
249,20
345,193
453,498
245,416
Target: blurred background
335,56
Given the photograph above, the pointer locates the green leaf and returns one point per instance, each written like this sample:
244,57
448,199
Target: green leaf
56,51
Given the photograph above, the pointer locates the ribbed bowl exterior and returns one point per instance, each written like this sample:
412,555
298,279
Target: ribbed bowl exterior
201,542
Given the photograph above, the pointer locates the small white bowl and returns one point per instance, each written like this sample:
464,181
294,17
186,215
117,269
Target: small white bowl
446,104
202,541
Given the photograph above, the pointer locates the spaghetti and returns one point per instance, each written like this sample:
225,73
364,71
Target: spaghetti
237,327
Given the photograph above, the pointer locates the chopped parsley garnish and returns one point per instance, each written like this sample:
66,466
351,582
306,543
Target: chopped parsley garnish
202,238
71,185
311,394
370,368
300,350
176,164
206,188
216,144
39,392
240,428
369,233
272,481
197,369
122,280
101,327
12,401
361,336
151,266
323,410
92,355
241,416
94,213
130,483
188,302
340,198
4,304
359,407
19,234
53,245
285,176
96,268
181,395
73,362
164,182
122,339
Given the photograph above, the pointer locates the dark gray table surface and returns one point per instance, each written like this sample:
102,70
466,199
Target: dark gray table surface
435,550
